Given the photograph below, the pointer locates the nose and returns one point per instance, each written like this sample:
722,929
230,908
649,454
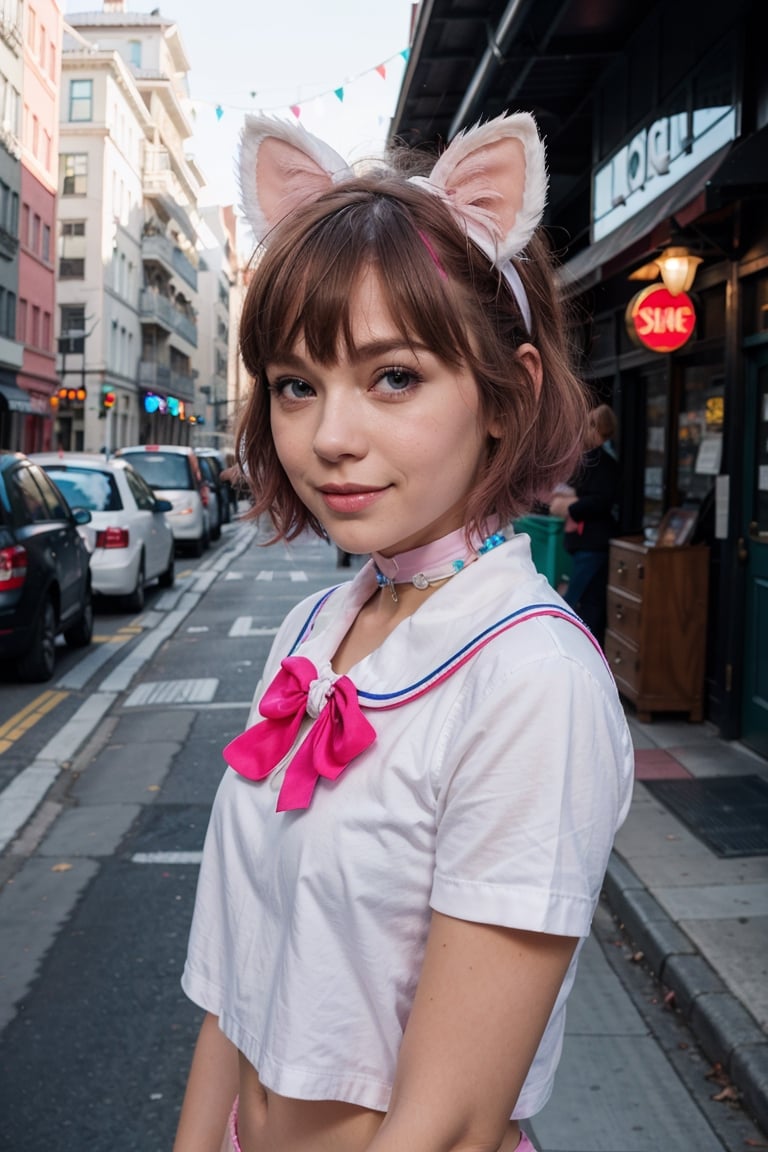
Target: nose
340,429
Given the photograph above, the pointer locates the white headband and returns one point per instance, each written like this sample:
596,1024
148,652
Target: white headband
492,178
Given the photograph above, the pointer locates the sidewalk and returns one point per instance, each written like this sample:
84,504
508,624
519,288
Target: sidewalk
700,918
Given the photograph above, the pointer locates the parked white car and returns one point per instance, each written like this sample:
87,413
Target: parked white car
173,473
131,539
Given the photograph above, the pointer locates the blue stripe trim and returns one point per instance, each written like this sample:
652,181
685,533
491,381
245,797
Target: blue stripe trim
307,625
530,608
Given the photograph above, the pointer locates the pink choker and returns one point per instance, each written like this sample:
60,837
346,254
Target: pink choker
435,562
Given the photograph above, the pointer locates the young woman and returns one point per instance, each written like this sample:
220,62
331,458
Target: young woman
406,851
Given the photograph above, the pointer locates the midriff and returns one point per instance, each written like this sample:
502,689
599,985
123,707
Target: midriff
271,1123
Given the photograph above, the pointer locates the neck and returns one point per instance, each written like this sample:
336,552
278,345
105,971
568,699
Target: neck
437,561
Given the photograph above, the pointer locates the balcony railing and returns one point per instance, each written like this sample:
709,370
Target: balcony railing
159,309
159,247
160,378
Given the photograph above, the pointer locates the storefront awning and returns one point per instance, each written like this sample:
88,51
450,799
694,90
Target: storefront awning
15,398
586,268
745,169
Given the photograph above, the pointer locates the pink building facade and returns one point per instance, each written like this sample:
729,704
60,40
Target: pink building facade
36,320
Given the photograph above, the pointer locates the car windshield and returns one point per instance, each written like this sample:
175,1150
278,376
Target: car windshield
86,487
162,470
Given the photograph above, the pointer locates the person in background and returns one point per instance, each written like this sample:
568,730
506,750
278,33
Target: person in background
587,506
407,848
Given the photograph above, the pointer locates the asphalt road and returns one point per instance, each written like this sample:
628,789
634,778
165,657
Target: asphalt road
108,783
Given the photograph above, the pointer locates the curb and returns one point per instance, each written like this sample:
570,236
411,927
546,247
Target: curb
726,1031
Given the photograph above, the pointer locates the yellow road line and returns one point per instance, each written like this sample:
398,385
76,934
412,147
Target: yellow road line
28,716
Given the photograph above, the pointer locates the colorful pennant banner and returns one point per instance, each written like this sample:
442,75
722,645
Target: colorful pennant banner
220,108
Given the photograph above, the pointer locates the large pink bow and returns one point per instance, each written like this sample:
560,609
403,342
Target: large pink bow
339,733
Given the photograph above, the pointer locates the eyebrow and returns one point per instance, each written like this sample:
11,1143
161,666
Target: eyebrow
369,351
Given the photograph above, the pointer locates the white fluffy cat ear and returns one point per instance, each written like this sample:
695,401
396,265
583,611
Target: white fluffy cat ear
281,167
494,178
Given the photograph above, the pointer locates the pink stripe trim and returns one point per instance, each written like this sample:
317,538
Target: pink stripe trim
486,640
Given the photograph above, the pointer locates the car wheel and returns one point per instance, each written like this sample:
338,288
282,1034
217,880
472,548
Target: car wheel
199,546
216,531
80,634
166,579
40,660
134,601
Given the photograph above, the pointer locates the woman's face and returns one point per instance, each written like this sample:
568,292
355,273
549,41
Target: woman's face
383,446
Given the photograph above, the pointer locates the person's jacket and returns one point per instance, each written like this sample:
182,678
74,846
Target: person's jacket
597,486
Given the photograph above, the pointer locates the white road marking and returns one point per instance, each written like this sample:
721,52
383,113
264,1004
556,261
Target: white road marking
173,692
243,626
20,799
198,628
167,857
234,576
298,577
265,574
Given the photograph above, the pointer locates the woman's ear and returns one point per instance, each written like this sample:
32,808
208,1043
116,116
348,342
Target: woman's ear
530,358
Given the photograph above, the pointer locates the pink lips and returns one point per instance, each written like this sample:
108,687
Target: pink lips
342,498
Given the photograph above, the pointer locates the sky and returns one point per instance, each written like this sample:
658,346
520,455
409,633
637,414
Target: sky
270,55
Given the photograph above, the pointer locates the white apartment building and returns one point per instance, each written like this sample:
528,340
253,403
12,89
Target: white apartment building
128,232
217,325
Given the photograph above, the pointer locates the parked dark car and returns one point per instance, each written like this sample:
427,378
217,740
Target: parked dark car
216,502
45,576
227,497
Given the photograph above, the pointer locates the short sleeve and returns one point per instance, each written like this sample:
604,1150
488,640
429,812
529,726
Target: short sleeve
534,780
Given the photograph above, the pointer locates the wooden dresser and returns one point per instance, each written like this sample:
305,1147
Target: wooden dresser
656,634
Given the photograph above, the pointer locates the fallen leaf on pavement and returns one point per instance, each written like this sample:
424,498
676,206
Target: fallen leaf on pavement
61,868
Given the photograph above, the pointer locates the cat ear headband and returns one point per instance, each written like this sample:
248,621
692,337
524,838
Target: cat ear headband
492,177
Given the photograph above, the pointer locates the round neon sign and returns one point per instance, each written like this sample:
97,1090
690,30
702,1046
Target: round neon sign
660,321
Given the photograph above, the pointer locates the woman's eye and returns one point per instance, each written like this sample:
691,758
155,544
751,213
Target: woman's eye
291,388
396,380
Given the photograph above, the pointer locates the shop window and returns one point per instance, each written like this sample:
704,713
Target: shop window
134,51
654,480
699,432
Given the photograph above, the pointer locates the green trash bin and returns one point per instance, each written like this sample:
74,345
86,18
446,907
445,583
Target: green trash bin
547,546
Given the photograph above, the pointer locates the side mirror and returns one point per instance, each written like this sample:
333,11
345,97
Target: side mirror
163,506
81,516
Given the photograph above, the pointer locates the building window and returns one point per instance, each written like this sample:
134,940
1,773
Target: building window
73,173
21,324
8,314
80,100
46,252
31,27
134,53
34,336
72,328
72,250
25,216
35,242
47,344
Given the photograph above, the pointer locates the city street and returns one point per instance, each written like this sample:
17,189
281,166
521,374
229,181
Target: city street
108,774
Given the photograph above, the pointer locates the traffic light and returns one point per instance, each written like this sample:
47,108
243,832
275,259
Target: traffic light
108,398
71,394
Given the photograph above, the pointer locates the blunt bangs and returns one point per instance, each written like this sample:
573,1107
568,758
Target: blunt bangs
305,290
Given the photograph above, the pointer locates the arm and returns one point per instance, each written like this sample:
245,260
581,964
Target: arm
211,1090
483,1000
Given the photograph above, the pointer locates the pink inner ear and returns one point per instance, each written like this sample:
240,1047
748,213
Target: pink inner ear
492,177
286,177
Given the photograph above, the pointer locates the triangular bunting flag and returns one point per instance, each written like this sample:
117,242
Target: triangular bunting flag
340,93
382,70
405,53
296,109
219,111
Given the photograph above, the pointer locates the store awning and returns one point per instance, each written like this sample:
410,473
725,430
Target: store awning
15,398
586,268
745,169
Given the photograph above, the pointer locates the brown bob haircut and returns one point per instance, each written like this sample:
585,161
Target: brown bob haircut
443,292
